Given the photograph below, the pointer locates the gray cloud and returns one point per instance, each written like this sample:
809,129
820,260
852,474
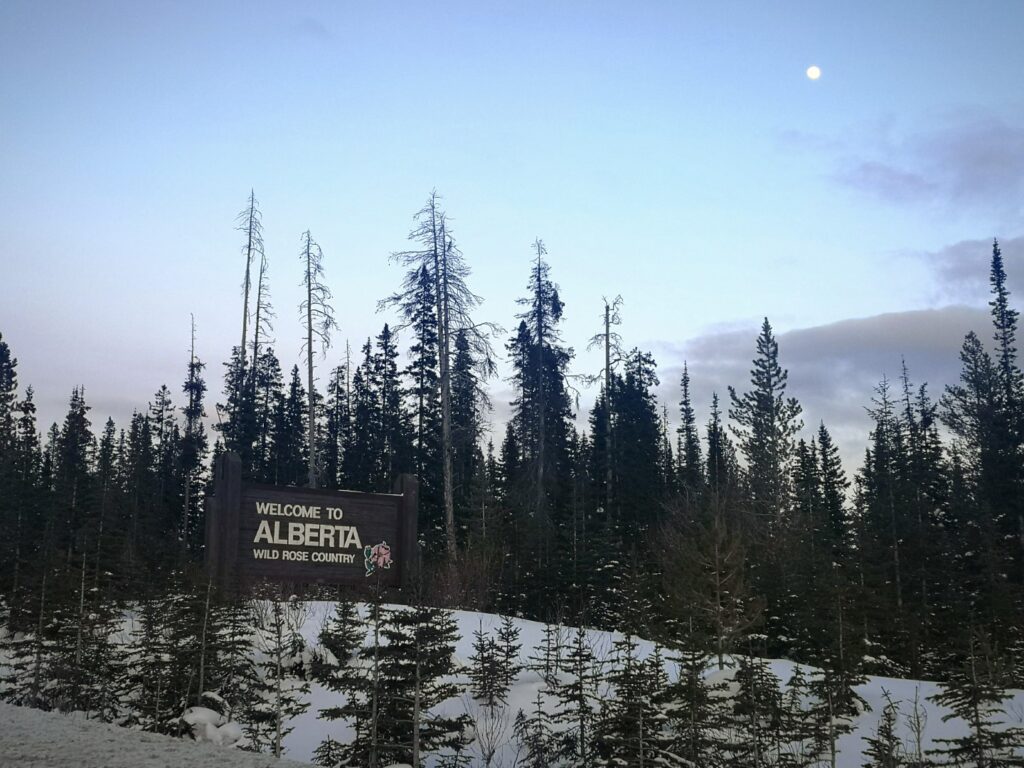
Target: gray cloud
834,368
311,28
890,183
963,160
961,270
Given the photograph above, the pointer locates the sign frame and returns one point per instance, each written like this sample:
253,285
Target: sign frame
229,527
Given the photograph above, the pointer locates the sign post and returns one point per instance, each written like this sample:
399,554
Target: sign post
256,531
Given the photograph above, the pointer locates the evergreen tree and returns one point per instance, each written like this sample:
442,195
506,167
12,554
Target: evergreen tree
485,672
576,692
283,686
534,737
885,748
691,470
417,661
767,422
338,426
631,730
833,489
193,450
467,458
973,694
508,646
288,456
699,716
755,715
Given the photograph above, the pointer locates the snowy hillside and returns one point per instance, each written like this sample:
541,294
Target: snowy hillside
29,737
309,731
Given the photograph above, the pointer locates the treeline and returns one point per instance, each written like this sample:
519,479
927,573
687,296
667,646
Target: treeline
740,534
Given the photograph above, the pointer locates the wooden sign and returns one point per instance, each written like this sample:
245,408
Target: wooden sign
256,531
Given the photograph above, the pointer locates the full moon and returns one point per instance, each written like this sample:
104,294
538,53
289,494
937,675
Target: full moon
813,72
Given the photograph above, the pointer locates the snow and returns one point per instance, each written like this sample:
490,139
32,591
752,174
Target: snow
30,738
309,730
211,726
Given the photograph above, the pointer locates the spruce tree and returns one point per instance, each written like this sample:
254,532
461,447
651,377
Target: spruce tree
691,469
417,662
283,685
766,423
192,451
576,692
973,694
885,748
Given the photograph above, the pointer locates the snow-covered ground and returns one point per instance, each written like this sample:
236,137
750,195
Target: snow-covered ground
33,738
309,730
30,738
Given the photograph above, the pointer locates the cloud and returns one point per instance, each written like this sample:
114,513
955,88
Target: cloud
890,183
311,28
964,160
961,270
834,368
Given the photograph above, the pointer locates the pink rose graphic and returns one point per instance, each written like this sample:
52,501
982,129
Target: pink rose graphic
377,556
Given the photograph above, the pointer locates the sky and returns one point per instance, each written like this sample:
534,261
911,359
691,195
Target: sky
673,153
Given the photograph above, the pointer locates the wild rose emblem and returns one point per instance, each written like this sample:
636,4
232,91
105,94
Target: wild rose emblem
377,556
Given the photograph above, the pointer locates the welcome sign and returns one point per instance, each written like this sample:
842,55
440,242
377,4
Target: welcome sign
256,531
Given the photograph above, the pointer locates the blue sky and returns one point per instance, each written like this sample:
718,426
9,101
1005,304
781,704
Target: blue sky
674,153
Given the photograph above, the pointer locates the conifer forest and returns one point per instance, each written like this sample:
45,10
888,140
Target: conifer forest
715,546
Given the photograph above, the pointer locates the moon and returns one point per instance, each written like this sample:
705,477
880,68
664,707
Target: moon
813,72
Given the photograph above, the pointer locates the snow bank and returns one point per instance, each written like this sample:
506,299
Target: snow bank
30,738
309,730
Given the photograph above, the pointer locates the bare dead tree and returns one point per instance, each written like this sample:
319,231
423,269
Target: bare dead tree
455,304
263,322
319,319
611,341
250,223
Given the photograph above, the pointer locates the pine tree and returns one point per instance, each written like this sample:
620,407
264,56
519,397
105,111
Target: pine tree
278,623
288,456
338,426
360,463
631,730
691,470
417,664
485,672
508,646
837,705
767,422
395,434
467,458
419,308
833,489
576,692
885,748
534,737
639,483
363,684
340,636
755,715
699,714
193,452
268,390
1008,424
973,694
